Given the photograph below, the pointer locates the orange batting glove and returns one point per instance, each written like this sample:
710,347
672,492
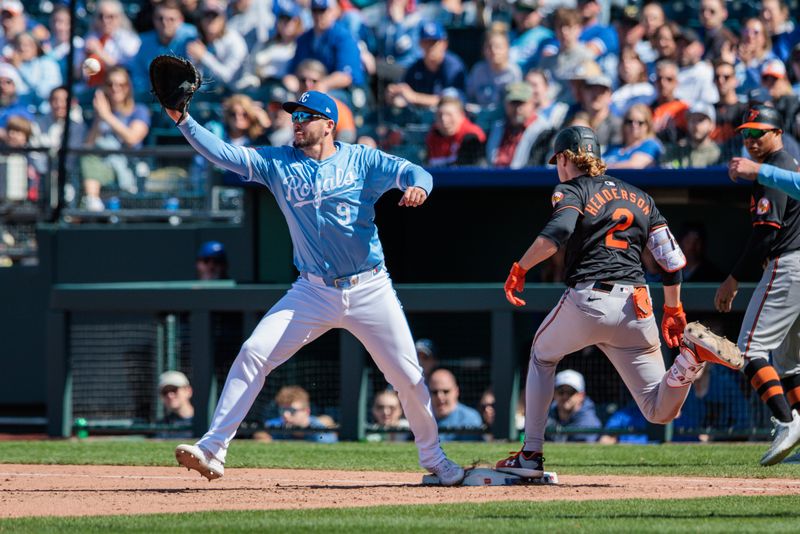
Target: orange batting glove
672,325
516,282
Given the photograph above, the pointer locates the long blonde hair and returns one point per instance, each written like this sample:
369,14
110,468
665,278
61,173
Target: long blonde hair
586,163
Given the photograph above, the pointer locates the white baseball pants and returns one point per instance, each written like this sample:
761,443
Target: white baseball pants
371,312
585,316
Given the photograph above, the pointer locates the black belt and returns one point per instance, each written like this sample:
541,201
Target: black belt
606,287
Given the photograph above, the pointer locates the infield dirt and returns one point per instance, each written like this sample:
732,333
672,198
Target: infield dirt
68,490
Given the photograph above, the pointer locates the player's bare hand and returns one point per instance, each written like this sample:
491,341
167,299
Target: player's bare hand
723,300
413,197
174,114
743,168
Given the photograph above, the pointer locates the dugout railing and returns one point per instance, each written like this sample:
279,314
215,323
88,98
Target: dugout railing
199,304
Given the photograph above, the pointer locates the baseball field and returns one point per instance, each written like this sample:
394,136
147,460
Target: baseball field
130,485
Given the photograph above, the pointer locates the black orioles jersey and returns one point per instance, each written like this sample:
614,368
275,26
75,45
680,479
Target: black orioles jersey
773,207
605,223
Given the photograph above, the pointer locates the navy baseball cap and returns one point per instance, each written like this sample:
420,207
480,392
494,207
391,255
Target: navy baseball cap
212,249
319,5
762,118
432,31
575,139
315,101
287,8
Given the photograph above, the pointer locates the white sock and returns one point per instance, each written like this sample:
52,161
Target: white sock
685,369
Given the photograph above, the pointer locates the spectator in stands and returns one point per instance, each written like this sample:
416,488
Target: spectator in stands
176,395
669,112
563,55
10,102
268,62
729,110
212,261
38,71
18,135
651,18
450,414
57,47
14,21
754,50
697,149
595,99
712,17
453,139
692,239
512,141
665,43
393,40
426,354
50,126
330,42
487,409
280,131
775,80
112,40
255,19
294,406
634,86
696,76
488,78
794,63
426,79
549,113
119,122
640,148
219,52
529,33
782,30
601,40
309,73
244,121
571,407
169,36
387,415
629,418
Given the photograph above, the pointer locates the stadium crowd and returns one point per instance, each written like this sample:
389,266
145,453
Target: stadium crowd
457,82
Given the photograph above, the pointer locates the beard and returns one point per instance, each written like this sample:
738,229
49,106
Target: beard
308,139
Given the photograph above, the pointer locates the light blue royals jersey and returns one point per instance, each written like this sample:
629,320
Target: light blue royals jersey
329,205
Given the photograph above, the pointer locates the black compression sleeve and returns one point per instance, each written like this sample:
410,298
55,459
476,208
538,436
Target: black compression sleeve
755,252
671,279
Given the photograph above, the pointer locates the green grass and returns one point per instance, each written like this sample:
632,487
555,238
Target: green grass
721,514
721,460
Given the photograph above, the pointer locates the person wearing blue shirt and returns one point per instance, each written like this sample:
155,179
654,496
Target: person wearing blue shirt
449,412
170,36
768,175
572,408
327,192
437,70
294,406
528,34
330,42
602,40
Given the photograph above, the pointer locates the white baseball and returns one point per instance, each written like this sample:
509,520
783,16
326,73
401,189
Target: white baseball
91,66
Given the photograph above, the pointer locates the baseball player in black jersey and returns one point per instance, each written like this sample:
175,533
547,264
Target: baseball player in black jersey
771,323
605,224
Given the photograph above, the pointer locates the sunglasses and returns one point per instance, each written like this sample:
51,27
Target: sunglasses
300,117
631,122
724,77
754,133
166,390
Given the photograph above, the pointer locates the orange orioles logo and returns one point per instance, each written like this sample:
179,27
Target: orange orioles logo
557,197
763,206
752,115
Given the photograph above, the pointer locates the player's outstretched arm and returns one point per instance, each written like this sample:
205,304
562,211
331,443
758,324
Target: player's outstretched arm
230,157
413,197
785,180
541,249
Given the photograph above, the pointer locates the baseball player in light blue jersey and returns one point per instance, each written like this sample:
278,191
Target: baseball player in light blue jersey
327,191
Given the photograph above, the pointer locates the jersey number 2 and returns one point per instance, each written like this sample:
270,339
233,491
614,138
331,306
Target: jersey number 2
625,220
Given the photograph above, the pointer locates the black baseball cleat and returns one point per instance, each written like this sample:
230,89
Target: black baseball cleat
523,464
709,347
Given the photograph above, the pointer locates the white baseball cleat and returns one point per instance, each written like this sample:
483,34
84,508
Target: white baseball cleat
785,437
709,347
449,472
193,457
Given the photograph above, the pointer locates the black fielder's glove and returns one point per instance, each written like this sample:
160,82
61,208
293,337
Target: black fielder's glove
174,81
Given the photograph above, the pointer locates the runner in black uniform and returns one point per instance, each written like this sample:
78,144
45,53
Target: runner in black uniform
605,224
771,322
